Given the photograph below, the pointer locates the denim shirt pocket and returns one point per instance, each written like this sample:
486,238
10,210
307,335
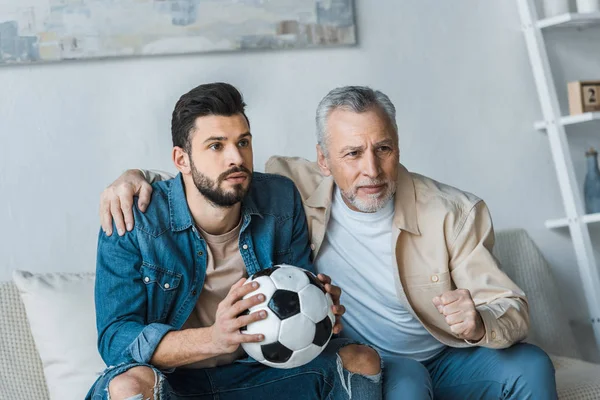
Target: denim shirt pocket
284,257
283,251
161,286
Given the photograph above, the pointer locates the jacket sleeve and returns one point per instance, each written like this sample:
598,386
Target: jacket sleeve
120,295
153,175
501,303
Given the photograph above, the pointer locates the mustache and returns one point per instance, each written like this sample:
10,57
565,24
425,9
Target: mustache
371,182
233,170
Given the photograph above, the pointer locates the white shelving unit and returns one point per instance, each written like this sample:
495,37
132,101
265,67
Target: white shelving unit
570,120
555,126
569,20
564,222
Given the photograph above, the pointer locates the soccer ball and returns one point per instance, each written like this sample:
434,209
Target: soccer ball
299,319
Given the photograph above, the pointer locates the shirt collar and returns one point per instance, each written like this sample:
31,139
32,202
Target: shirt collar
180,215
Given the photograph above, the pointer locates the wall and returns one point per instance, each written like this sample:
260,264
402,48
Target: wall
457,72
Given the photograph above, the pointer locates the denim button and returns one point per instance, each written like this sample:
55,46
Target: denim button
245,247
146,279
194,292
200,253
167,286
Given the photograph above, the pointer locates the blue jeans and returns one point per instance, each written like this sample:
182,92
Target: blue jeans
522,371
322,378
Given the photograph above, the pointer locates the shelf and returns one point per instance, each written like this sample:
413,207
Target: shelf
564,222
571,20
555,125
571,119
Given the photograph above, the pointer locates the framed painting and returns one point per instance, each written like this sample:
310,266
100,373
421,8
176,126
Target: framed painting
33,31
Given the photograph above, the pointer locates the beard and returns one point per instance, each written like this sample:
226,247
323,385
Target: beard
213,191
373,202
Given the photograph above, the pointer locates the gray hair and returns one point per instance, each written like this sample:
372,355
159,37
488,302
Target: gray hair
353,98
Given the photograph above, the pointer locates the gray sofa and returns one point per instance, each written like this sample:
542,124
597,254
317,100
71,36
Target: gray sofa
22,377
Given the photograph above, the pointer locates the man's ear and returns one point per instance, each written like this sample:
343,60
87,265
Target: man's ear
181,159
322,161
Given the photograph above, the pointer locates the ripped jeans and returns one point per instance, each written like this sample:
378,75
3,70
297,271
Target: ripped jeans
322,378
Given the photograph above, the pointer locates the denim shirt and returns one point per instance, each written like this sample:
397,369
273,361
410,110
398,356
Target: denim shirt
149,280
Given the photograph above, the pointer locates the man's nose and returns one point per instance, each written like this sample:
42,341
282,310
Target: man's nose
234,156
371,166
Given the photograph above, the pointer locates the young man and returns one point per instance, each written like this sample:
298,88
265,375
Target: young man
445,319
169,291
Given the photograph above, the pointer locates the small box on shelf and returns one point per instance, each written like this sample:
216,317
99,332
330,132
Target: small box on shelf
584,96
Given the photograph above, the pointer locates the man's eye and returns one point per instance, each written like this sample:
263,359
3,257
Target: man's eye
352,154
244,143
385,148
215,146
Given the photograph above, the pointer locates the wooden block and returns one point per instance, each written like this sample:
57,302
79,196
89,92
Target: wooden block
584,96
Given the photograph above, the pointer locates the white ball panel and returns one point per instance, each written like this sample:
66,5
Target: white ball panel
313,303
289,278
297,332
269,327
330,311
254,351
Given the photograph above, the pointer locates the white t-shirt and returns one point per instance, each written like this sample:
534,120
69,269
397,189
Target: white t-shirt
357,254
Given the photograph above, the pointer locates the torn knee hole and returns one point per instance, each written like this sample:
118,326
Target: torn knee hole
360,359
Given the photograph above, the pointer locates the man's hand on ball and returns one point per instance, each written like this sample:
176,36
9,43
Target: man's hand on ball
225,333
116,201
335,292
458,307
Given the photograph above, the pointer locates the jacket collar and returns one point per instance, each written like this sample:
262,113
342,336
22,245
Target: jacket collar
321,197
405,203
180,216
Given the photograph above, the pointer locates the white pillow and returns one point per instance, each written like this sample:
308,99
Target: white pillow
62,315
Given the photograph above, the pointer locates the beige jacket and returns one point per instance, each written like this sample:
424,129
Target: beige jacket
443,241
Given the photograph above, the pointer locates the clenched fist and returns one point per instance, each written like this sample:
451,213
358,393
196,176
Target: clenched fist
458,307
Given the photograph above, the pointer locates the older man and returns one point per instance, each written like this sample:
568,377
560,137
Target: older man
413,256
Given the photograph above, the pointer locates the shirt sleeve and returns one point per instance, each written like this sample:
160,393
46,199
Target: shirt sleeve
505,311
120,296
154,175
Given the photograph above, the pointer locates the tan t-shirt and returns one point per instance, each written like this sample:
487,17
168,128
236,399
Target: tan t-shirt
224,267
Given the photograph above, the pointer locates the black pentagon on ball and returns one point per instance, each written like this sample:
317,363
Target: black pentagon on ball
322,332
285,304
244,328
265,272
276,352
313,280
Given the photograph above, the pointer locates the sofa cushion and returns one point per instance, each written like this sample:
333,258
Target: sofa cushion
523,262
21,371
576,379
61,312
